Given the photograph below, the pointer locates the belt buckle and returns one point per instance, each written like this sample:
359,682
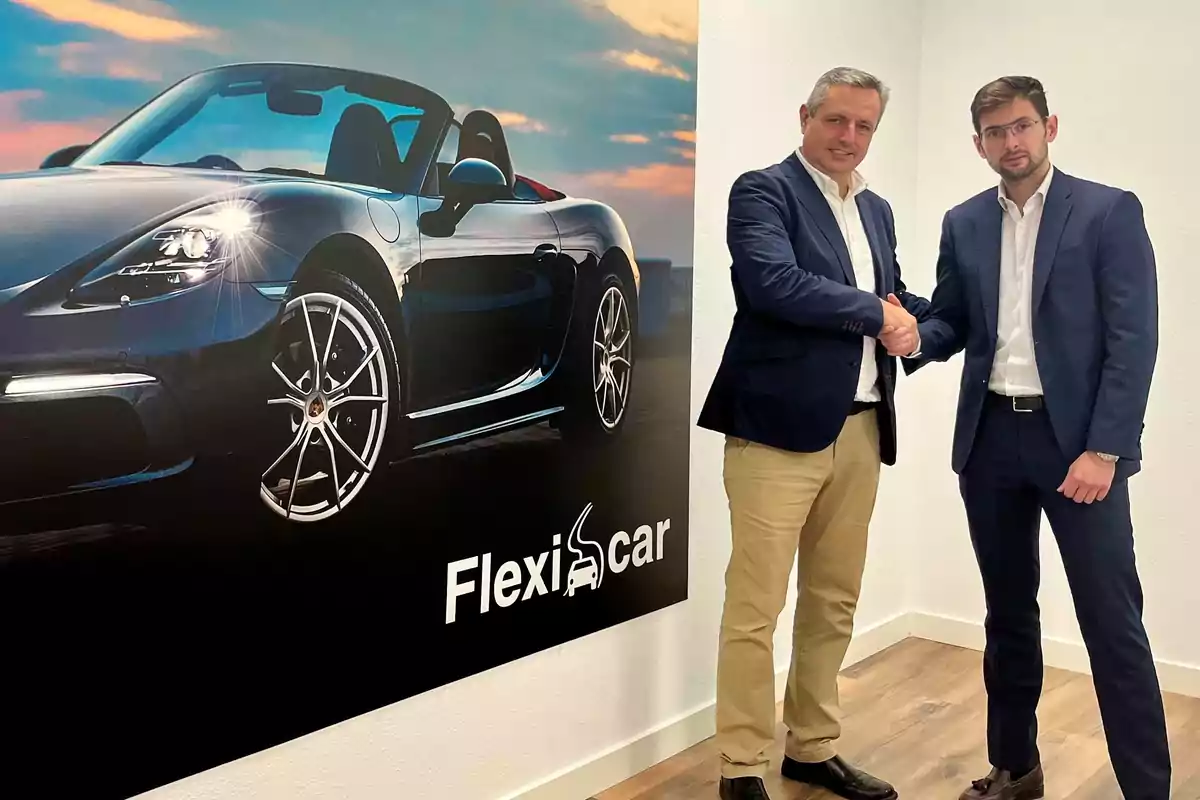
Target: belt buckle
1016,404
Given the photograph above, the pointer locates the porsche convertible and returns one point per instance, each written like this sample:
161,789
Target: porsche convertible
315,269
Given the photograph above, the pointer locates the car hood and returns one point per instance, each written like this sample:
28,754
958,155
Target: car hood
54,217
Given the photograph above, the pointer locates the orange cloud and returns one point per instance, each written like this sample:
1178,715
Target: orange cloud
25,143
511,120
638,60
142,26
677,20
665,180
517,121
684,152
682,136
629,138
89,58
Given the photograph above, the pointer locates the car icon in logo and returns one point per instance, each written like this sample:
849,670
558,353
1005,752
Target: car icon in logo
587,570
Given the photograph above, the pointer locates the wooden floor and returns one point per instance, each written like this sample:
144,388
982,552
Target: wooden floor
914,715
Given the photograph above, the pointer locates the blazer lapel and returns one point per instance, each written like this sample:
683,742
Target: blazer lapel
990,231
873,225
810,195
1054,219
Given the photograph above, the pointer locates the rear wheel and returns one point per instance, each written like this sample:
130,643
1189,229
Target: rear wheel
335,400
600,372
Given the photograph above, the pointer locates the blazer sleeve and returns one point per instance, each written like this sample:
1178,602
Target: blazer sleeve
1128,294
764,264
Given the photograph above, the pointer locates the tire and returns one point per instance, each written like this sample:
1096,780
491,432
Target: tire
597,415
353,418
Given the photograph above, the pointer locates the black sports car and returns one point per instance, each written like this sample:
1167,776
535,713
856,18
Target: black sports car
318,269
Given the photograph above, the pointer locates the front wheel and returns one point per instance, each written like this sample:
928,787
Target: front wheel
601,358
336,395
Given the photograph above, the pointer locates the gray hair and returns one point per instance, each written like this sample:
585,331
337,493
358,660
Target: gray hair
847,76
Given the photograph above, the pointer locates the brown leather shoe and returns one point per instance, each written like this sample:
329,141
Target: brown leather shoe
999,785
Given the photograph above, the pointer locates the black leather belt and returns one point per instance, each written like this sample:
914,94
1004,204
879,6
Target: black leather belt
1023,405
859,406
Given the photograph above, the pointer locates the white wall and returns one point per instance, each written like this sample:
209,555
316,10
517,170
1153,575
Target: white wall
1126,115
498,733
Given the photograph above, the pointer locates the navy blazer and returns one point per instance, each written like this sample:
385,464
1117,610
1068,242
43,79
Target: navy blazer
1094,315
790,369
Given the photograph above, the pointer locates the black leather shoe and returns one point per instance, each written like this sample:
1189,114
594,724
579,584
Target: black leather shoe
743,789
999,784
840,778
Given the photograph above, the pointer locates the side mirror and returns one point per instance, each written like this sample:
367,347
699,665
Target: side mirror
64,157
475,180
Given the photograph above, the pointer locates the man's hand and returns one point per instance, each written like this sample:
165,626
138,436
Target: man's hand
899,334
1089,479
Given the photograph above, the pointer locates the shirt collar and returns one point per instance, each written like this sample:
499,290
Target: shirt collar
827,184
1042,190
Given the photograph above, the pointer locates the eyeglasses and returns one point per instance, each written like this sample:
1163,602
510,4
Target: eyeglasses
998,133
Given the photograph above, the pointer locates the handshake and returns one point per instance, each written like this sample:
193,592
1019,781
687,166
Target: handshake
899,333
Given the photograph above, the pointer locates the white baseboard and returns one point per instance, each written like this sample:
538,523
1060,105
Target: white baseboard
1174,678
623,761
628,758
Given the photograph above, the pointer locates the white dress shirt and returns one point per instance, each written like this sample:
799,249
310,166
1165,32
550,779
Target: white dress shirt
1014,369
845,211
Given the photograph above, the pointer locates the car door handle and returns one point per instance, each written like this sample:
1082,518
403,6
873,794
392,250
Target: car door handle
545,250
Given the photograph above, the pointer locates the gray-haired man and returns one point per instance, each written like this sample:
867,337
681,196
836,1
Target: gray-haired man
804,396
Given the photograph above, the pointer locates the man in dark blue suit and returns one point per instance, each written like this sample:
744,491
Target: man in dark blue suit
804,396
1048,285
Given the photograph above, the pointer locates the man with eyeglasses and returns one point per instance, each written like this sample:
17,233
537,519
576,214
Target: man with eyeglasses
1048,285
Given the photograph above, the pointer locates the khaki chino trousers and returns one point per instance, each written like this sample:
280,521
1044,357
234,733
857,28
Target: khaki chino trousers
812,509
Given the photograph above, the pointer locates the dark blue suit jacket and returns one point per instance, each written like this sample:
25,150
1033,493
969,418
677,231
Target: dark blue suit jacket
790,368
1094,315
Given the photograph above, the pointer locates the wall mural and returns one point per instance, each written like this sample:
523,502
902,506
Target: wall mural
344,353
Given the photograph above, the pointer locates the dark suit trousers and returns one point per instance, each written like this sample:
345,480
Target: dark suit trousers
1011,477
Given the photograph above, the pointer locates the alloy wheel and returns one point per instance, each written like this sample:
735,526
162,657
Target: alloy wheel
611,363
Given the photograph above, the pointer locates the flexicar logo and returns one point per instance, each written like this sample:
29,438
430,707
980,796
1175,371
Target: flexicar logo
588,563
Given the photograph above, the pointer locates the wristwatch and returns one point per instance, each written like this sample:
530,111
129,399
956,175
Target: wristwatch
1110,458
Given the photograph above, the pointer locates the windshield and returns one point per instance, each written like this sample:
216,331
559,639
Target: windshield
283,120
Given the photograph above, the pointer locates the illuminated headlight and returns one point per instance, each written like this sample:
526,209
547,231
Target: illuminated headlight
181,254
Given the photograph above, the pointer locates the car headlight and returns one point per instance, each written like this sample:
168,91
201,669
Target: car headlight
183,253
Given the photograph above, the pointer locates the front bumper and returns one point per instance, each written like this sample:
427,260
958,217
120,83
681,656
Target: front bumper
55,440
99,398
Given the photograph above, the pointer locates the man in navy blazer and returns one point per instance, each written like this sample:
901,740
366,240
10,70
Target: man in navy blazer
1048,286
804,396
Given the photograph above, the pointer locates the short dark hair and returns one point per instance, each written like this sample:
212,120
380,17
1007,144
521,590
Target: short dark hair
1003,91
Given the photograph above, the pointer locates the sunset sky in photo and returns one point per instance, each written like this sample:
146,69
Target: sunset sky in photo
598,95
